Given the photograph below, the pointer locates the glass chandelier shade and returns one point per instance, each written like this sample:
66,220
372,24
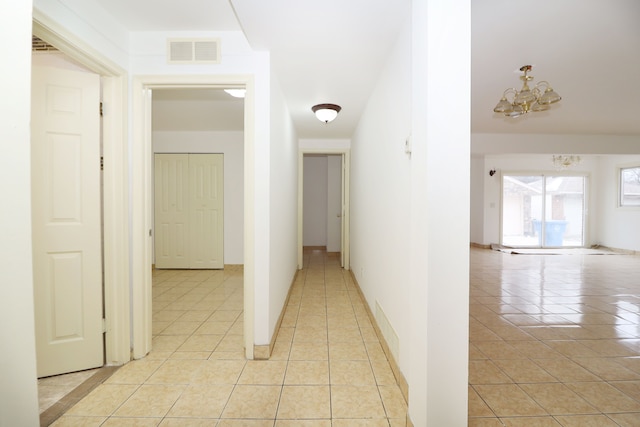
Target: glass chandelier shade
565,161
326,112
526,99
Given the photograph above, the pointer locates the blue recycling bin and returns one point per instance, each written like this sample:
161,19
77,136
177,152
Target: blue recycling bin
553,231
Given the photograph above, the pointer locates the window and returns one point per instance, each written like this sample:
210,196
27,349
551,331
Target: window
630,186
543,210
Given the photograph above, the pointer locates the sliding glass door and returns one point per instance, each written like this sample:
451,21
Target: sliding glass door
543,210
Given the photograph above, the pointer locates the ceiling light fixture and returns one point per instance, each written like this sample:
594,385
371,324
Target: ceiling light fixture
564,161
537,99
326,112
236,93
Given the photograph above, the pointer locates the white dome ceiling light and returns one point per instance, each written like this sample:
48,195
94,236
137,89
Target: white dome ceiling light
326,112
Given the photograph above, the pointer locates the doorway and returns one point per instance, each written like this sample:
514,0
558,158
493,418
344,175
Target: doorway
143,89
540,210
334,220
115,209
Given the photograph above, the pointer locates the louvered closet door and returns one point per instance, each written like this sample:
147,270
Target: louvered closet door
189,211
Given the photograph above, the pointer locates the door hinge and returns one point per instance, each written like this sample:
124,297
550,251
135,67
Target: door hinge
104,325
101,110
101,163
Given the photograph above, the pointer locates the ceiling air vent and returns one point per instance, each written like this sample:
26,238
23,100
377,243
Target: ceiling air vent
193,51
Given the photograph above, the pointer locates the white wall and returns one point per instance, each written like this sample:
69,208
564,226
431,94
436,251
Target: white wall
324,145
618,227
381,196
231,145
503,143
283,211
410,214
148,50
438,375
18,392
315,200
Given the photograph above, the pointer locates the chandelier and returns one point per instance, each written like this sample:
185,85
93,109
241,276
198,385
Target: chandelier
537,99
563,161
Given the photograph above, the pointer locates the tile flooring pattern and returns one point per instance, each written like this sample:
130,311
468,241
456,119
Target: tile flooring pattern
327,369
554,340
52,389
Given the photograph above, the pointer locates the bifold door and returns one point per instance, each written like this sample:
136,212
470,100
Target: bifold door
189,219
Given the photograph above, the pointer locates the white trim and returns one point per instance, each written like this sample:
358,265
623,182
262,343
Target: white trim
142,209
116,191
346,177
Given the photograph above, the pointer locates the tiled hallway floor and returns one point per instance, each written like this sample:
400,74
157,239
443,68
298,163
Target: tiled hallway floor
52,389
327,369
554,340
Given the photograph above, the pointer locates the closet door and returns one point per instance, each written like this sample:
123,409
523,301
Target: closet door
189,211
172,211
206,210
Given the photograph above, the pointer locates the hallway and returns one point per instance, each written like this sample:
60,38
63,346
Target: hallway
554,340
327,368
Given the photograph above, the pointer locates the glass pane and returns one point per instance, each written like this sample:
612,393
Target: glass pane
521,210
564,211
630,187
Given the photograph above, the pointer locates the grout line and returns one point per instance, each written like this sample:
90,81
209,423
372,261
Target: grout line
55,411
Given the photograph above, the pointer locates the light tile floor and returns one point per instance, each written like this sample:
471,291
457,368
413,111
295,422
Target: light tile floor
327,369
52,389
554,340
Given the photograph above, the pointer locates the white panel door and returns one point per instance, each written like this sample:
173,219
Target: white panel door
171,211
66,213
207,214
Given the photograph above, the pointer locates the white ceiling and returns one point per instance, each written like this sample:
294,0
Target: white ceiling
331,51
588,50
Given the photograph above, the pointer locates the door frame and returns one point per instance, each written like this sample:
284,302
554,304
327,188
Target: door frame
345,153
115,202
142,191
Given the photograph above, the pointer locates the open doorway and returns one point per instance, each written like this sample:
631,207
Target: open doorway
323,202
322,216
188,126
145,90
111,205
